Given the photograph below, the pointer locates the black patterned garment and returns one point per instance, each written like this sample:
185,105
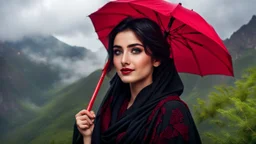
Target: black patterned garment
157,116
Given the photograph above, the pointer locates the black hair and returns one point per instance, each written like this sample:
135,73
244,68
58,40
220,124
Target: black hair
148,32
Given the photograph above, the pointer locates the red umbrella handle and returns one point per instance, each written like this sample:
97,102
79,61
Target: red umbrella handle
104,71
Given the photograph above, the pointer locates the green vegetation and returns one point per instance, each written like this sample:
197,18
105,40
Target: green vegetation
231,110
54,123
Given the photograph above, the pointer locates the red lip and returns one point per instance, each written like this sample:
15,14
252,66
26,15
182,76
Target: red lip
126,71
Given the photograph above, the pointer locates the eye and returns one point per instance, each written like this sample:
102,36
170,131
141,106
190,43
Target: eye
136,50
117,52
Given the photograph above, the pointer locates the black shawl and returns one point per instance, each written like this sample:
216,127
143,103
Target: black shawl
156,116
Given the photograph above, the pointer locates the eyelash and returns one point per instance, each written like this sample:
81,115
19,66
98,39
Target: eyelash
115,52
134,51
137,50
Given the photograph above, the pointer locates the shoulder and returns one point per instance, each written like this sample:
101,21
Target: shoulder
174,104
176,108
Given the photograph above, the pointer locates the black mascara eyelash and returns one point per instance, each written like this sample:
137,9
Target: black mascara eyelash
116,51
138,50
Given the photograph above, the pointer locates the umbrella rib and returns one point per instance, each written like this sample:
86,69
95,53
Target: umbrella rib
230,69
189,47
159,20
137,10
197,43
177,29
191,33
197,62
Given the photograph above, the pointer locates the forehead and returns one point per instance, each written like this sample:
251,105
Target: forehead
125,38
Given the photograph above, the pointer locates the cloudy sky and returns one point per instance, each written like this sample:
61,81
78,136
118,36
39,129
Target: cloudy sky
68,21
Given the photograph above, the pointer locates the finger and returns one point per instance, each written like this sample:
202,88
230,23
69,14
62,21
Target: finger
92,112
84,127
83,122
85,112
85,118
79,113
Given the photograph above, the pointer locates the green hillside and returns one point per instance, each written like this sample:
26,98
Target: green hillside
22,87
24,77
55,121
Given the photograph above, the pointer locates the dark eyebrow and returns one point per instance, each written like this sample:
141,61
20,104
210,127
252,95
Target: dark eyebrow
117,46
133,45
129,46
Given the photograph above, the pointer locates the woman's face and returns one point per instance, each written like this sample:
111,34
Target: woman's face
131,62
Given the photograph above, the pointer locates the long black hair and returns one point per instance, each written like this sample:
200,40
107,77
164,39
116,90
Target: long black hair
148,32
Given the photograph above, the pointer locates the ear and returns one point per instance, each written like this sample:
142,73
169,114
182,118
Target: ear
156,63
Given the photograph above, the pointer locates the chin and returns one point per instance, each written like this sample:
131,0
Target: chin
127,80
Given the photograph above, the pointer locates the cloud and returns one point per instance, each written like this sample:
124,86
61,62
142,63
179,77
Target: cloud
90,41
61,17
71,70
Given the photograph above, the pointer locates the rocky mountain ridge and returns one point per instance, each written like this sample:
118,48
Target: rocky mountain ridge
242,39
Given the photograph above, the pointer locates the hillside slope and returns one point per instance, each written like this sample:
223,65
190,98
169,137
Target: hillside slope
55,121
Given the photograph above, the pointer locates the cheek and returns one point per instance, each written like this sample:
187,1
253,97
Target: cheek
144,64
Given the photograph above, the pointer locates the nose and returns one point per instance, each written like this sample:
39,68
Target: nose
125,59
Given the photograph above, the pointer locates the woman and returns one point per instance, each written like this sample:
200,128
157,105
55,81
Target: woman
142,104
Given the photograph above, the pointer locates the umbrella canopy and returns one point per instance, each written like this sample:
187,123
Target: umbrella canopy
195,46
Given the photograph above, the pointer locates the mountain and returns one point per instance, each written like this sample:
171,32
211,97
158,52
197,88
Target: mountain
28,75
242,46
243,40
49,47
22,86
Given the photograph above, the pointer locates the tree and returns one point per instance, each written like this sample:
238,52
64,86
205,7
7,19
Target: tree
232,110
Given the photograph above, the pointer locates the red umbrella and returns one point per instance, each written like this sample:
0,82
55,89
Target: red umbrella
195,46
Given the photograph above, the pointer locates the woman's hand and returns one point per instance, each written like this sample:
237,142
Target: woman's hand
84,122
